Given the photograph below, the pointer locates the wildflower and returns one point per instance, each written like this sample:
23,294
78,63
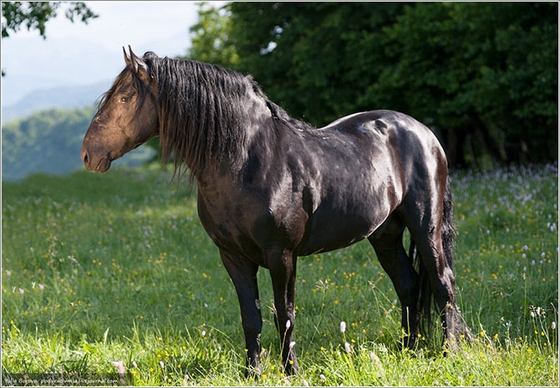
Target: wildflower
532,262
347,347
288,324
41,287
292,344
21,291
161,364
322,377
8,272
543,255
342,327
134,364
119,365
375,358
203,333
553,326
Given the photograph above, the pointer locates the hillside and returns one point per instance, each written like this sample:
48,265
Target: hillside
49,142
67,97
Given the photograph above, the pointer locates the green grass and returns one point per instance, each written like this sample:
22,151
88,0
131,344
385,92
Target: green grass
116,267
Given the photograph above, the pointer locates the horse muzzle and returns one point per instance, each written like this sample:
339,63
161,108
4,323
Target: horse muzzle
96,164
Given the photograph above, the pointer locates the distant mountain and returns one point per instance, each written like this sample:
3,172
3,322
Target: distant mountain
57,97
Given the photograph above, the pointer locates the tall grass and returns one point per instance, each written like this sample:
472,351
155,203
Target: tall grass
98,269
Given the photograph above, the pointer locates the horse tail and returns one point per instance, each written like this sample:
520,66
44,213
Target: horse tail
448,234
448,230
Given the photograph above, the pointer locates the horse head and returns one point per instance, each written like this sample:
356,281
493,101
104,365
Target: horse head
126,117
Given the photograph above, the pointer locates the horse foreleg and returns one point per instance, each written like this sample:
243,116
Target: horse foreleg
283,275
243,273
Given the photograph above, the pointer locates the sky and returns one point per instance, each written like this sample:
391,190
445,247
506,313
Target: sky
80,54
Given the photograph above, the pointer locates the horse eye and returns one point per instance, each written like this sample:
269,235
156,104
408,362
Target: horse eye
124,99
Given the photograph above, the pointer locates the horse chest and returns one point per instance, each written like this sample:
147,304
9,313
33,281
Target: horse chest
251,225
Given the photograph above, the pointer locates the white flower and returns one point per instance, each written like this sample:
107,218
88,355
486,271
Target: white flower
342,326
119,365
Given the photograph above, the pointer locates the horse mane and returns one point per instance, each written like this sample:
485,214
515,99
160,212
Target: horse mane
196,125
203,113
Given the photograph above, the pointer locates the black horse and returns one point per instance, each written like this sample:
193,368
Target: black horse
271,188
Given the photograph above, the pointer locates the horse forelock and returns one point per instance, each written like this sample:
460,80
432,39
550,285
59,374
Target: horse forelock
126,77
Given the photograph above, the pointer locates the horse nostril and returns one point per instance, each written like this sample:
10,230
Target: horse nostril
85,157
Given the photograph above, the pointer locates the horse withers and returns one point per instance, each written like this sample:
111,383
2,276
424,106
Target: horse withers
272,188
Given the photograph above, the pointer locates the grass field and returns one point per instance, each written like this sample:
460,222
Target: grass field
114,270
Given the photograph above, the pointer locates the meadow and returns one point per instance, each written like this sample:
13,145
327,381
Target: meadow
102,273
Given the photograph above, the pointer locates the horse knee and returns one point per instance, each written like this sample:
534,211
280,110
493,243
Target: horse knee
252,327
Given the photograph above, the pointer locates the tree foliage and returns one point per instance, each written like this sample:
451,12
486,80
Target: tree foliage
35,15
211,37
482,75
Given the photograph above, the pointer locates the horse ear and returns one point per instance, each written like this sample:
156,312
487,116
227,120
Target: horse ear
136,63
126,58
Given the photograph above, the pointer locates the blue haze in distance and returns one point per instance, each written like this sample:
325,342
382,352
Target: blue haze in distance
84,59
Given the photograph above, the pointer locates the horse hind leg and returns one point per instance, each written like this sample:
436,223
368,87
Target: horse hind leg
388,246
433,236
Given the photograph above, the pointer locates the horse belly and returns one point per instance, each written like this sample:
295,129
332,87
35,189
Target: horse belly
330,229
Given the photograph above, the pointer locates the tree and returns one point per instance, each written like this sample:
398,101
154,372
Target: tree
35,15
485,74
310,56
211,37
